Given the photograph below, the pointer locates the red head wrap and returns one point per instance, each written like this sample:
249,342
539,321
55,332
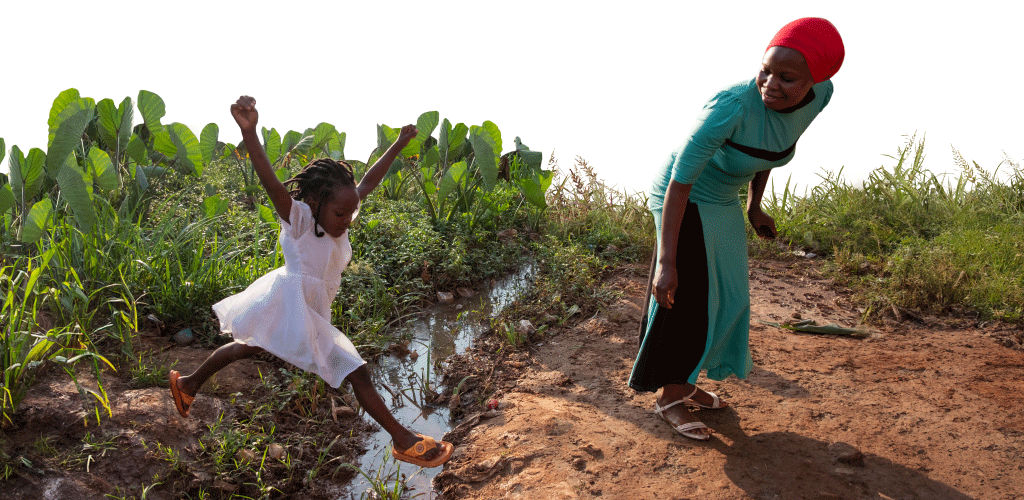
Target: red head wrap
818,40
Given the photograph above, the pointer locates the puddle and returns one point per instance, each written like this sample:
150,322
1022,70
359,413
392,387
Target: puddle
443,330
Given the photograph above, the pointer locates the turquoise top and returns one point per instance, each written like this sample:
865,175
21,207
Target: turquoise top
735,137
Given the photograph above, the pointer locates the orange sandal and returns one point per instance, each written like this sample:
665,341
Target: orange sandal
181,400
425,444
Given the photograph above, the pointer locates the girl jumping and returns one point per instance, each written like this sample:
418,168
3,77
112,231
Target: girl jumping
287,311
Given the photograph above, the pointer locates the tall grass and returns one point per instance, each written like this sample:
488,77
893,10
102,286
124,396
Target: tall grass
917,239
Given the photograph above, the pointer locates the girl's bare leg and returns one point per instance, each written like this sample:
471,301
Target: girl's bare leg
223,356
371,401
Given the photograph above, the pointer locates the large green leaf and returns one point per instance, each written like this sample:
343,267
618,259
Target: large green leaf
323,133
456,143
188,146
66,132
492,130
115,124
337,146
136,149
532,191
102,170
208,142
59,103
27,173
430,158
483,151
426,124
75,189
290,140
442,141
272,144
37,221
6,198
214,206
452,178
152,108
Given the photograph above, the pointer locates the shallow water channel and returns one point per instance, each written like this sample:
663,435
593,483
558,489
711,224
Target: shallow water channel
444,329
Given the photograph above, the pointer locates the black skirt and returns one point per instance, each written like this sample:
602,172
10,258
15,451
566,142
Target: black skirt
672,348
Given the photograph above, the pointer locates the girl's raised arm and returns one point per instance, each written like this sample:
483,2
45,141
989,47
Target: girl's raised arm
245,114
376,173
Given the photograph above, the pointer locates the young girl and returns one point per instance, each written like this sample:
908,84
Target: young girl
288,310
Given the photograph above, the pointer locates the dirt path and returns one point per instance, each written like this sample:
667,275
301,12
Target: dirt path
917,410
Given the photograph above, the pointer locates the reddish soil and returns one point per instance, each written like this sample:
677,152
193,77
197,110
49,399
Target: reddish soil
932,409
922,408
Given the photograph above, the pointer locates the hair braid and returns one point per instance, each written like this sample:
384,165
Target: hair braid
317,182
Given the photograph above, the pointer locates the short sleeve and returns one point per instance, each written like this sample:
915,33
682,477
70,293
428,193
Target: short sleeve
717,122
300,220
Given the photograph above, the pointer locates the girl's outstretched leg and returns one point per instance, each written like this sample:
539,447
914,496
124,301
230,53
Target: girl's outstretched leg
403,438
184,388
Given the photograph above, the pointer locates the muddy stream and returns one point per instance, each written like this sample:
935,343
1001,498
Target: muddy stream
445,329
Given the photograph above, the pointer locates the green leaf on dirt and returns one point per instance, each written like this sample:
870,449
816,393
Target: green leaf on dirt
811,326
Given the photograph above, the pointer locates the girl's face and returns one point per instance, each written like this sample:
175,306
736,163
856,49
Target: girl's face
784,78
338,211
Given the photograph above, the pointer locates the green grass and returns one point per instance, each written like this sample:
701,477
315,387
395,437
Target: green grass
915,239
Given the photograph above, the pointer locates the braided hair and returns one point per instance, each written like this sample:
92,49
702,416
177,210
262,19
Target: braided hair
317,182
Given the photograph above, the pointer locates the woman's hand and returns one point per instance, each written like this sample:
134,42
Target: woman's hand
245,114
406,135
764,224
666,280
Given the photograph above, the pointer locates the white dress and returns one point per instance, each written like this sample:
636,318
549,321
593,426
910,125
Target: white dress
288,310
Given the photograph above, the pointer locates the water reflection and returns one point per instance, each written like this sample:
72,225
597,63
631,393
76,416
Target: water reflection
443,330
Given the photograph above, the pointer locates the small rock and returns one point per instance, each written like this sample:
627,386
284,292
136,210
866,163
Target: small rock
183,336
579,464
224,486
799,253
465,292
525,328
594,451
245,455
611,249
507,233
344,412
845,453
275,451
414,355
797,316
547,319
445,297
487,464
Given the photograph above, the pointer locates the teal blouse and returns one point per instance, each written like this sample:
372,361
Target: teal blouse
735,137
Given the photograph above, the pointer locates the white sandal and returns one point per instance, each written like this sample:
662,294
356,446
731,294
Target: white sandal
683,429
717,405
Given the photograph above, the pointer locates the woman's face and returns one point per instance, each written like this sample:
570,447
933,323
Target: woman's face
784,78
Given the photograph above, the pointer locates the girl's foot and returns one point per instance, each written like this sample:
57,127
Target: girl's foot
182,400
422,450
